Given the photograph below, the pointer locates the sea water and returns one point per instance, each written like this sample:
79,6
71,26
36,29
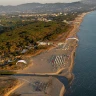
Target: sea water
84,83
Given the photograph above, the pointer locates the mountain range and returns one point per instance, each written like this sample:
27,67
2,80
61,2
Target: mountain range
89,1
48,7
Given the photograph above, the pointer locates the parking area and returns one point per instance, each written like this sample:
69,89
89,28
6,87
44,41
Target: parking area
53,60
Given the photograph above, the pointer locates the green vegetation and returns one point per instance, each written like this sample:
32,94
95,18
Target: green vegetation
15,41
19,38
4,72
9,23
67,17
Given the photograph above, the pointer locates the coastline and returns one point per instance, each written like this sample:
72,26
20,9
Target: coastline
72,33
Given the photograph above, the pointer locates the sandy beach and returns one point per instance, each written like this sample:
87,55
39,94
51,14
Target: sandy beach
42,65
73,33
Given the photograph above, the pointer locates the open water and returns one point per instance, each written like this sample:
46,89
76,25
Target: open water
84,83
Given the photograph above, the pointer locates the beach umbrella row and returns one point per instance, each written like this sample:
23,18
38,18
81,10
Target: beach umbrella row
58,61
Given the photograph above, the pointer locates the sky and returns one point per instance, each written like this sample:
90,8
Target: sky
16,2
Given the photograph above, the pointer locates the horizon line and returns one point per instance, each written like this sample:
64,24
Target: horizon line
37,2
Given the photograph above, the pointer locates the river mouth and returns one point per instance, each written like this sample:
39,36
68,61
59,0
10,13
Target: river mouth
84,83
64,80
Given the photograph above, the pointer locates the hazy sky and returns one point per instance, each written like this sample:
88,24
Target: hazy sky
16,2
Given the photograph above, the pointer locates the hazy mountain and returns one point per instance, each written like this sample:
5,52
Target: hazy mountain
48,7
89,1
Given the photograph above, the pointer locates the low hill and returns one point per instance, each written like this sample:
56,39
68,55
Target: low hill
93,2
45,8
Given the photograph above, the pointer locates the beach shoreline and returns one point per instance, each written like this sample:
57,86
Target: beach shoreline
72,33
